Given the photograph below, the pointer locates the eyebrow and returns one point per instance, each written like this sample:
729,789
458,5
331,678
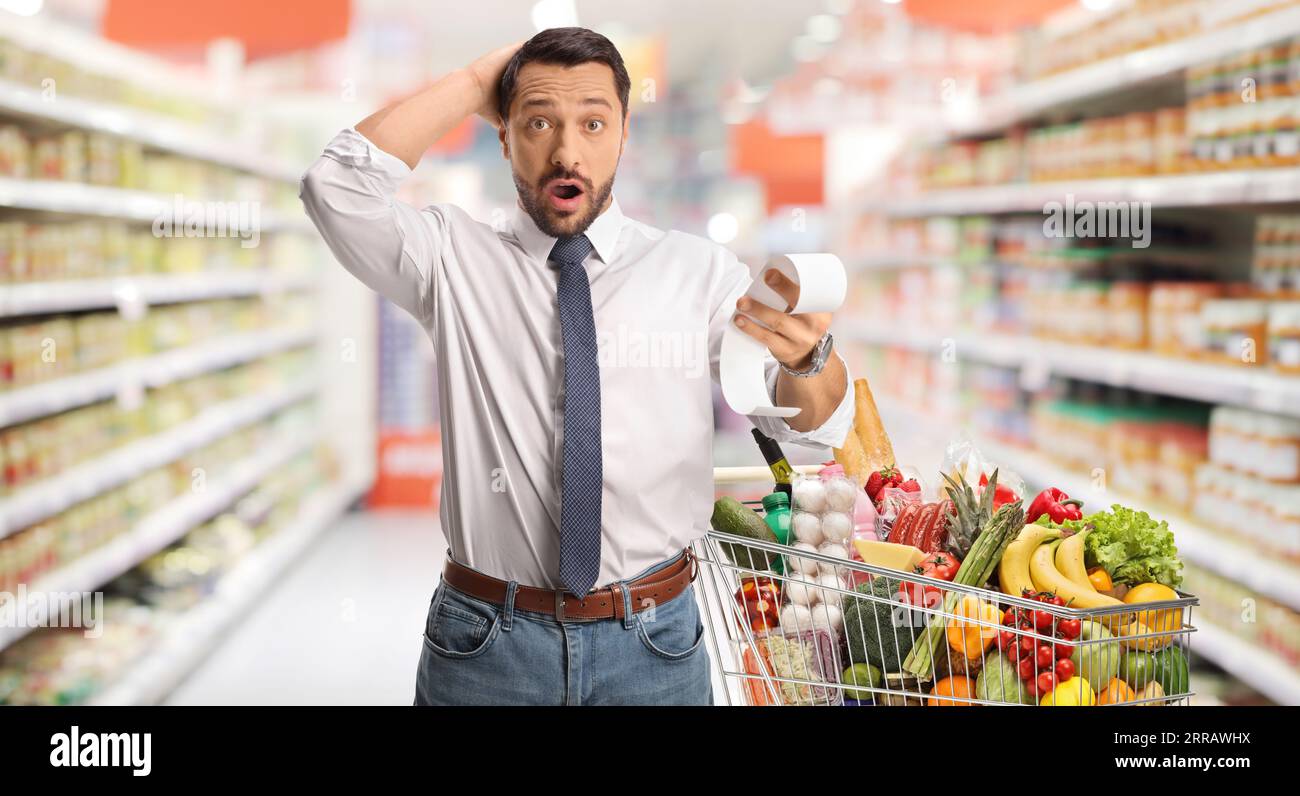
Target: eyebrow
541,102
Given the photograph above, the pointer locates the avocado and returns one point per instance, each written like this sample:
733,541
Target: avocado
733,517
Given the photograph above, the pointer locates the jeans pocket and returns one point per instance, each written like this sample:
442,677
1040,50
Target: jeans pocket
672,631
459,627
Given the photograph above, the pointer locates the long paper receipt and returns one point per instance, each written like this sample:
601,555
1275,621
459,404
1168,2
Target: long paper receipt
822,284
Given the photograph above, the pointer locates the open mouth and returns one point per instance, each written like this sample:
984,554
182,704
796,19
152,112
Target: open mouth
565,194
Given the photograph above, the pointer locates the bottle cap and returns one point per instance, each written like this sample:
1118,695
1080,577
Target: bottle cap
775,501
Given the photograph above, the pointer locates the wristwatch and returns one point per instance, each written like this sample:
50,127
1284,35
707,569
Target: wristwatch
821,352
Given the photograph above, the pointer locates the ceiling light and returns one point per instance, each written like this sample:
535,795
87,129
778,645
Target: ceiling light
824,28
723,228
1096,5
24,8
805,48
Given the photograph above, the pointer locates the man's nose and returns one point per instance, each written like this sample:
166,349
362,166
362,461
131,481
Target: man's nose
566,151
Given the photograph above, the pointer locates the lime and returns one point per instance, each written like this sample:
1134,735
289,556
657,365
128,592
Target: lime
861,674
1138,668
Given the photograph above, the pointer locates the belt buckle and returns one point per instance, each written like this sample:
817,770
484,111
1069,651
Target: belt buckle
559,605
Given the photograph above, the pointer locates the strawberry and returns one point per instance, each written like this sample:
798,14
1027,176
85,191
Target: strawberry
875,483
910,485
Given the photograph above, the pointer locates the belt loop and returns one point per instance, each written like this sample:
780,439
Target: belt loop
629,618
508,608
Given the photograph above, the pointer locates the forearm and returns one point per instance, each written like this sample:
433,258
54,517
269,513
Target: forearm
818,396
407,128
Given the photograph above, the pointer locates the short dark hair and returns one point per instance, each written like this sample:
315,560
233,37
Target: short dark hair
566,47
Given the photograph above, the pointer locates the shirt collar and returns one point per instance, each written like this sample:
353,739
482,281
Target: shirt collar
603,232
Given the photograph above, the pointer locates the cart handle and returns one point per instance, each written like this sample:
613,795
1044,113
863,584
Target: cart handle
744,475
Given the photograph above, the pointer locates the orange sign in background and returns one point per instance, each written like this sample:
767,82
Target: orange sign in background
265,28
409,470
790,167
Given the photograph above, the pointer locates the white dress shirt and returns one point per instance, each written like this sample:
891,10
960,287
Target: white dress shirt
487,298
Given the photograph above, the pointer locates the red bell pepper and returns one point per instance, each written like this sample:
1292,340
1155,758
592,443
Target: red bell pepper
1055,504
1001,494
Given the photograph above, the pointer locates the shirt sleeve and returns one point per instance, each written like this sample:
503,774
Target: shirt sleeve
730,280
349,193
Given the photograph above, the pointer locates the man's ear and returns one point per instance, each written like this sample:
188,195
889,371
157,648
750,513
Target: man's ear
501,136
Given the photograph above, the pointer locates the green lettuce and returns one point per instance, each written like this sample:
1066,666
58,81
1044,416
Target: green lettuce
1131,546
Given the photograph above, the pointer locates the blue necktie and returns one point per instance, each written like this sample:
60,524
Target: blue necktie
580,486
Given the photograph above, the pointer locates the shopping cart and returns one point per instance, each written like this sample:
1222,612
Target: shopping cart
854,643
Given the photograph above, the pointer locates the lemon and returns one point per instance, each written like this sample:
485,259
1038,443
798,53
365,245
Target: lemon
1072,693
1168,620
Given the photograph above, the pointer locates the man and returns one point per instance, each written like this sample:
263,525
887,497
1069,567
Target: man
577,472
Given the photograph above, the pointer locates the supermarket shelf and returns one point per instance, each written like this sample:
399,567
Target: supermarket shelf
1138,370
189,641
1198,544
1260,669
1070,89
160,528
85,294
151,130
51,397
53,495
76,198
1214,189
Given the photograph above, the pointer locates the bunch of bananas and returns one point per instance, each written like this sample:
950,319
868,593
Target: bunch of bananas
1041,560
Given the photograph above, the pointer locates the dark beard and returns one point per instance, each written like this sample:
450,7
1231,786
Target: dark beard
534,205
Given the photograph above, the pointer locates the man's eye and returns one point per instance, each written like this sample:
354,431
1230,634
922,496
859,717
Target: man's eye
539,124
595,125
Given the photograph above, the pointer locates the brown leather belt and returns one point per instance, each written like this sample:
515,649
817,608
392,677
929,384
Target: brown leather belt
607,603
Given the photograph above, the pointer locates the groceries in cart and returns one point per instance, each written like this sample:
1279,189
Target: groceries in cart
867,582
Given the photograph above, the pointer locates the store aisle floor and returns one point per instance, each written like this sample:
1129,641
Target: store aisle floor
342,628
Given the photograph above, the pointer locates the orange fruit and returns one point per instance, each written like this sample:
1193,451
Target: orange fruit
960,687
1116,692
1100,579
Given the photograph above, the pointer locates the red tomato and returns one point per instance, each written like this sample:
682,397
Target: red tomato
1064,670
1069,629
1026,668
1044,657
1046,682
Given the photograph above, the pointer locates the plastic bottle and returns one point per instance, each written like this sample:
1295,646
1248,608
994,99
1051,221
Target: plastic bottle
776,513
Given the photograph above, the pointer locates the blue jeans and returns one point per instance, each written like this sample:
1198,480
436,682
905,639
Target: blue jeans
477,653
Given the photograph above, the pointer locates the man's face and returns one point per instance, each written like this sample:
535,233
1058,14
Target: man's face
564,137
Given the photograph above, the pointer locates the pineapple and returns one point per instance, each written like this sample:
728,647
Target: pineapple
971,513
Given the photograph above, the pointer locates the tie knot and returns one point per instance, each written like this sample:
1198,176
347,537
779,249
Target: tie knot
571,251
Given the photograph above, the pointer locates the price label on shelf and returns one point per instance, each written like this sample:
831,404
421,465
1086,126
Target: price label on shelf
131,304
1035,373
130,392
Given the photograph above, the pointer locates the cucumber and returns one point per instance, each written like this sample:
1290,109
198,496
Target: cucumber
1171,671
733,517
